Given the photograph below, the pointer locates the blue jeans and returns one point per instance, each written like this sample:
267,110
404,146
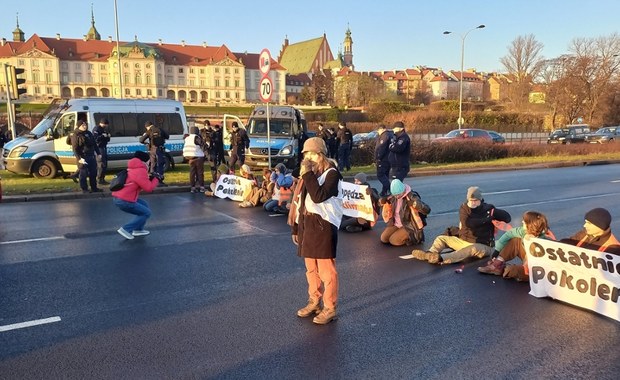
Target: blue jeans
161,161
344,155
139,208
271,205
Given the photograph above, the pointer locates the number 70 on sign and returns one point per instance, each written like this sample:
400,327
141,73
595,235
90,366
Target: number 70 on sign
265,89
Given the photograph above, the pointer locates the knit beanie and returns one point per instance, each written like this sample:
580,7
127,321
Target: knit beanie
222,169
246,168
599,217
474,193
143,156
281,168
397,187
361,177
316,145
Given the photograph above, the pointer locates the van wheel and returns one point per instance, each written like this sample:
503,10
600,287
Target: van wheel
44,169
169,165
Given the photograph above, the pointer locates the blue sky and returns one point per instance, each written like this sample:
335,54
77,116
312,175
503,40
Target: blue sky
387,34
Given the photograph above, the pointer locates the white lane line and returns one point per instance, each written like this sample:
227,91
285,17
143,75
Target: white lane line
406,257
615,181
35,322
31,240
508,191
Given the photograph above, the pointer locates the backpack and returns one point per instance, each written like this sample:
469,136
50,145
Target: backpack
118,182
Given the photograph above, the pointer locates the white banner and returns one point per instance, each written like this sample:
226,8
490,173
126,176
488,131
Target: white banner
581,277
356,201
233,187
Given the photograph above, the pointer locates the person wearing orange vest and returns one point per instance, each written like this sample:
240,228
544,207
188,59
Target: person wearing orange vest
476,235
596,233
510,246
405,215
351,224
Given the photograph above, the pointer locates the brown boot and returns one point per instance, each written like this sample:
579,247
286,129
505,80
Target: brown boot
325,316
495,267
311,308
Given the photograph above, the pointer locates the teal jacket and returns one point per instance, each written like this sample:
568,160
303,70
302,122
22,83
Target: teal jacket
516,232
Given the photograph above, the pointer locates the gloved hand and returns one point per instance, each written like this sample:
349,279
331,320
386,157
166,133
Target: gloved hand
82,161
155,175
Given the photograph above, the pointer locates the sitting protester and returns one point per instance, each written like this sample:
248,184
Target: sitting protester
222,169
476,234
510,246
351,224
283,190
260,194
405,215
246,172
596,233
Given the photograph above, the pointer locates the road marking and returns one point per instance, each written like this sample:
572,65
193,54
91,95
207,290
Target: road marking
31,240
508,191
615,181
35,322
406,257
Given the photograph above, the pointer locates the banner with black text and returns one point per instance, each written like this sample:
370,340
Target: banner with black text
356,201
233,187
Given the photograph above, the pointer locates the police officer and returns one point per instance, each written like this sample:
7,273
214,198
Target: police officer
85,149
208,147
400,150
156,139
384,139
239,142
102,138
345,143
217,140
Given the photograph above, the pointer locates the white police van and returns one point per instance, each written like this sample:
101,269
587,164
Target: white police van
44,152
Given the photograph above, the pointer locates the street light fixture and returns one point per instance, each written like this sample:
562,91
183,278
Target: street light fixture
460,121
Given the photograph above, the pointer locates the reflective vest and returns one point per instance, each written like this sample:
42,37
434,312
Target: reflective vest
611,241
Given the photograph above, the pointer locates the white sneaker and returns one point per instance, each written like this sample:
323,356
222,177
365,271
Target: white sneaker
124,233
140,233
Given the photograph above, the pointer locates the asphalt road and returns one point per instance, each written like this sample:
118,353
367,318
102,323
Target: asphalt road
212,293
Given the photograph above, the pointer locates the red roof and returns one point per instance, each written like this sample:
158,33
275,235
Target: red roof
250,61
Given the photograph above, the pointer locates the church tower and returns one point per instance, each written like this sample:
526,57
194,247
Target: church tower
92,34
348,49
18,34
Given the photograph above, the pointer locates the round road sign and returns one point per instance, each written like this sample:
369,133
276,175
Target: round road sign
264,61
265,89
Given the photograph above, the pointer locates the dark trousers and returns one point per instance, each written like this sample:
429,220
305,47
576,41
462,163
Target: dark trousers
344,155
383,175
399,172
88,170
237,155
103,164
158,161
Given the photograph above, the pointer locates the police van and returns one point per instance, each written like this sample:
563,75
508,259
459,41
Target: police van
44,151
276,137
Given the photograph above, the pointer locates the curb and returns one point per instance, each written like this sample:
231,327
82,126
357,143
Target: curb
412,174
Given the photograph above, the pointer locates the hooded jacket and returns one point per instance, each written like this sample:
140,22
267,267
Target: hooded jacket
137,180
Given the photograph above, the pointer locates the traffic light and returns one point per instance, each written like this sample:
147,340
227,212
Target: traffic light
17,108
16,91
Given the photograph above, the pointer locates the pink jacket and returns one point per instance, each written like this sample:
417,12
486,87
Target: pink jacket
137,180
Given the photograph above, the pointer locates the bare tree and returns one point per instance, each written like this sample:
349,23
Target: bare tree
523,62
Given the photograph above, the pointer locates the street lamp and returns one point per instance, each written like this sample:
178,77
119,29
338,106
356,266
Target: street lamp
463,36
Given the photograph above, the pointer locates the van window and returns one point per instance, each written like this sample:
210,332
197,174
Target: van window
65,125
131,124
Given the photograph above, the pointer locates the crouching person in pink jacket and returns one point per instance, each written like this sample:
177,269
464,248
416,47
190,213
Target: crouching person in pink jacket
127,198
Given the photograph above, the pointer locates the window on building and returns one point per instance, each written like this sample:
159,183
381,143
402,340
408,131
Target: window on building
149,92
91,66
217,83
35,63
159,80
217,69
236,95
138,79
49,90
78,77
169,81
181,81
160,93
77,66
48,77
37,90
138,92
148,65
202,71
169,70
226,83
116,91
191,83
217,94
149,79
227,95
202,83
226,70
236,82
103,67
65,65
104,79
137,65
191,70
21,62
48,63
180,70
236,71
126,65
35,77
127,91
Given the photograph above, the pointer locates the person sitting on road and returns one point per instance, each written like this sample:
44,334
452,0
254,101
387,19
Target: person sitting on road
510,246
405,215
260,194
282,192
246,172
475,234
351,224
596,233
221,169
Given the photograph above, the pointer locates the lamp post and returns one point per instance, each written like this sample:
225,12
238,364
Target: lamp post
460,121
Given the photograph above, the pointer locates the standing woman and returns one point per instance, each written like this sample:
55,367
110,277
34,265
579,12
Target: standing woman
316,217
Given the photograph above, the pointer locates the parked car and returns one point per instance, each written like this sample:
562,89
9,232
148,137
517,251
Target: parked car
465,134
604,135
497,138
360,140
572,133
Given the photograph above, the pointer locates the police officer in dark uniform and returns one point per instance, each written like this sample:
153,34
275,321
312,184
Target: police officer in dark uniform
384,139
345,143
208,147
332,147
239,142
325,135
85,149
217,140
400,151
102,138
156,139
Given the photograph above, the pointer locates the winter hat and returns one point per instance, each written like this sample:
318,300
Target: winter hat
281,168
397,187
104,121
398,125
143,156
246,168
194,130
599,217
474,193
148,123
316,145
360,177
223,169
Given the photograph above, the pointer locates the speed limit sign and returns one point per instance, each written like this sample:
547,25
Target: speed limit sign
265,89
